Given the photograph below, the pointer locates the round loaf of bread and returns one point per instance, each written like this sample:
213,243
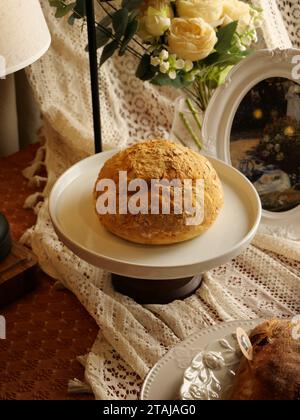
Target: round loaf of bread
160,160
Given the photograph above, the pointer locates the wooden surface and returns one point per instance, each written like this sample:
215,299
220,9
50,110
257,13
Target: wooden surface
18,274
46,329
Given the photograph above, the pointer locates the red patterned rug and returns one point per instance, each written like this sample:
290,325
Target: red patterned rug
47,329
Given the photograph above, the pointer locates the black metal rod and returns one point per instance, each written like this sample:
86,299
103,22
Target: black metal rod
90,14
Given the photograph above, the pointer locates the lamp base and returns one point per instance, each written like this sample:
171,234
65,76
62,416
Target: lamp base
156,291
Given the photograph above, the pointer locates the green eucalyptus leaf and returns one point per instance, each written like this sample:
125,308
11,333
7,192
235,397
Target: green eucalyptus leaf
55,3
80,9
225,37
211,59
103,36
108,51
120,22
164,80
71,19
129,34
145,70
62,9
222,59
106,21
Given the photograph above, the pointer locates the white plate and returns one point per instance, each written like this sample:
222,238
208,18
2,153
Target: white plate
76,223
175,374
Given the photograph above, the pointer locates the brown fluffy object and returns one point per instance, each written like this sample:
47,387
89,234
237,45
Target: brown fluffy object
160,159
274,373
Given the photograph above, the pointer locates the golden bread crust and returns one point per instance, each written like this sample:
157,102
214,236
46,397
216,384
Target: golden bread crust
161,159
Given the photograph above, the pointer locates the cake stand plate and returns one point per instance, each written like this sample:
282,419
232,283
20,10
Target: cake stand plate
76,223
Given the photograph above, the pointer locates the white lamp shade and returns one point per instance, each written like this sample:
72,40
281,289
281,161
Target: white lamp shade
24,35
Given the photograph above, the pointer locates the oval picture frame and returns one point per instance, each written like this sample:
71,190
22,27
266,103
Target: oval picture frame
225,102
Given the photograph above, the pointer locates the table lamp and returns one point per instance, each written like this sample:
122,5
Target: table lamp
24,38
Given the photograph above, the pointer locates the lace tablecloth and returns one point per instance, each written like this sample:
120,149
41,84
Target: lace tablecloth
262,282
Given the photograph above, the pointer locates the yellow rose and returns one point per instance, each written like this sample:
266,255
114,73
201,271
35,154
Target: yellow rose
155,18
191,39
236,10
209,10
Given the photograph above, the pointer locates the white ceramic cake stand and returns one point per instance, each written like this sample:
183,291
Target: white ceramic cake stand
152,274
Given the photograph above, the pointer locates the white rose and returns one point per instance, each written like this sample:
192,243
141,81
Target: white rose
155,18
191,39
236,10
164,67
164,55
209,10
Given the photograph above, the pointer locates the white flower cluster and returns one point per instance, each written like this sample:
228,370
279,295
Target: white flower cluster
170,63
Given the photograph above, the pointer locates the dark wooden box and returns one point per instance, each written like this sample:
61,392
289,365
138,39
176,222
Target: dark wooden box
18,274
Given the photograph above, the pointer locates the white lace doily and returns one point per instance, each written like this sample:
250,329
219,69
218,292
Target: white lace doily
290,10
263,282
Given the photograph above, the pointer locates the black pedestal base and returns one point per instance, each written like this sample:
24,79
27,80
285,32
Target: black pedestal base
156,291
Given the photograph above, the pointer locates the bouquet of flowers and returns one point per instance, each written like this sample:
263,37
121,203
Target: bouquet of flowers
187,44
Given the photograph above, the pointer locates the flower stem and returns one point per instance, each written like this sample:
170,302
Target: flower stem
180,139
194,113
201,94
190,130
